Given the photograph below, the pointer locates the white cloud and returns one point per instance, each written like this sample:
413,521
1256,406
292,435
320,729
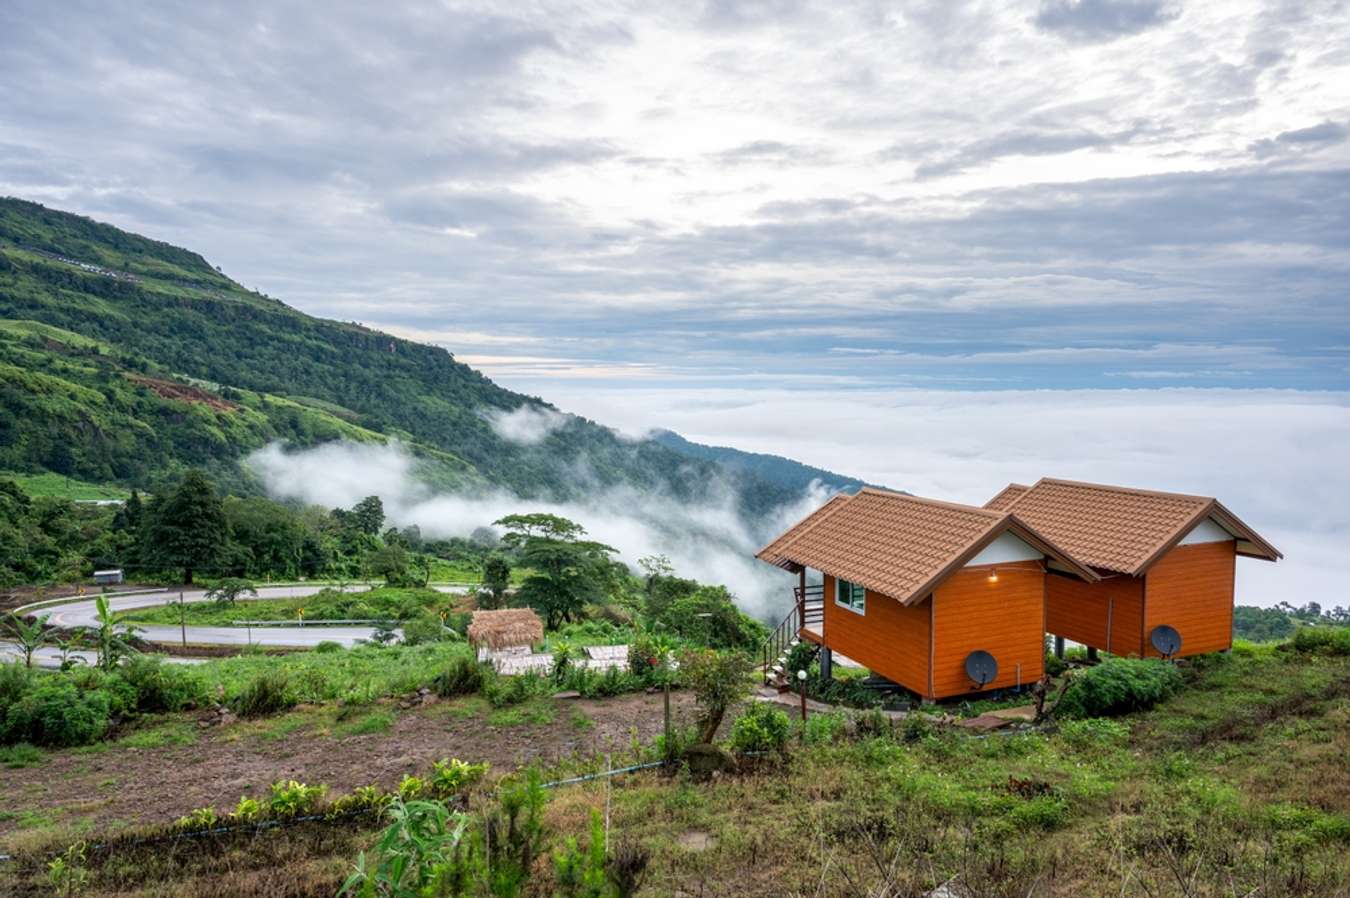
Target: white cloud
709,542
526,424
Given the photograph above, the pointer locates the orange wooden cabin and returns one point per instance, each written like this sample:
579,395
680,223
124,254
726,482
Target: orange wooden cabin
1163,560
918,590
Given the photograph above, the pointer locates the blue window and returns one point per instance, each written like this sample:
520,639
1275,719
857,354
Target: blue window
851,595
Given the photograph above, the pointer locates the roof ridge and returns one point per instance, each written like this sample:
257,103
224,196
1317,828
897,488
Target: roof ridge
958,506
1136,491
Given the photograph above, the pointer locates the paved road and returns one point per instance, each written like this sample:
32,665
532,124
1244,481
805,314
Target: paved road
84,613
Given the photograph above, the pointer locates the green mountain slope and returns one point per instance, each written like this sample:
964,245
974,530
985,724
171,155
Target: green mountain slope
123,359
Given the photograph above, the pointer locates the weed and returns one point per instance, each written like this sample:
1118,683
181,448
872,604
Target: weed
374,722
20,755
268,693
166,734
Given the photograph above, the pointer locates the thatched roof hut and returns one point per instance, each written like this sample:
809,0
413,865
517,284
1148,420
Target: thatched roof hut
506,628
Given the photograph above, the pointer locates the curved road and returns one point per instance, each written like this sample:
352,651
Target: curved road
84,613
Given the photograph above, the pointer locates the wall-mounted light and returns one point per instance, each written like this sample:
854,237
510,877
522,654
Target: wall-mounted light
993,575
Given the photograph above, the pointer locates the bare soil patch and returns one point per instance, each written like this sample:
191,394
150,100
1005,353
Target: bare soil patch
114,784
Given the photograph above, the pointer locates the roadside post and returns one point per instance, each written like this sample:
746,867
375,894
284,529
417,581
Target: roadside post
182,618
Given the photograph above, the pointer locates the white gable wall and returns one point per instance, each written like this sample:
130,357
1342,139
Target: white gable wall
1005,548
1207,531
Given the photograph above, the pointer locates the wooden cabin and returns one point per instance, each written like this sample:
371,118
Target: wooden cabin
924,593
1162,560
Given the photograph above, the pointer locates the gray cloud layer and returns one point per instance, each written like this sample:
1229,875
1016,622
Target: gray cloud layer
955,193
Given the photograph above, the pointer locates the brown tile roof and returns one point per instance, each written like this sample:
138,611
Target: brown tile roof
1120,529
896,544
1010,494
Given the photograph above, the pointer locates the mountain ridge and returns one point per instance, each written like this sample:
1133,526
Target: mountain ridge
125,358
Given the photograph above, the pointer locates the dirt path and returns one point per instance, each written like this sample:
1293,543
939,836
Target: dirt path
116,783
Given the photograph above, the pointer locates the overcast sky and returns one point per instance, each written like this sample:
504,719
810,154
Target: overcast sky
640,209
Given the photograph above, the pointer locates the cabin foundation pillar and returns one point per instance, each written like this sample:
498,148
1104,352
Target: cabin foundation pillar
1059,647
1092,655
826,664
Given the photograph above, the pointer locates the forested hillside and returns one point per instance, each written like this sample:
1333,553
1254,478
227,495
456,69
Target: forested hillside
124,360
782,472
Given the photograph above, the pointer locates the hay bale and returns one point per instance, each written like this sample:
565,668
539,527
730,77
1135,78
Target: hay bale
505,628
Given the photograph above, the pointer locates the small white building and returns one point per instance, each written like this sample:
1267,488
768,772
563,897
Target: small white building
108,577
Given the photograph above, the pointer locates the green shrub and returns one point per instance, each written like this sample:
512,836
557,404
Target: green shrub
462,676
162,687
55,713
15,681
823,729
503,691
120,693
1323,640
267,693
762,728
423,629
1119,686
709,617
328,647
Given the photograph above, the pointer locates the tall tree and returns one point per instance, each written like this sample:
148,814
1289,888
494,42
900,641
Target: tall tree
496,578
189,530
368,515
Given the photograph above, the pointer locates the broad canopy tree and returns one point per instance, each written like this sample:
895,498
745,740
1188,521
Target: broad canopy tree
568,571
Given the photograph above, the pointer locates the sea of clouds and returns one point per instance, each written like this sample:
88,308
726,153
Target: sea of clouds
1279,459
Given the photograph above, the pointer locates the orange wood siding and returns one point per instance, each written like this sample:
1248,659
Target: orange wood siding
1191,588
1005,618
1078,610
890,639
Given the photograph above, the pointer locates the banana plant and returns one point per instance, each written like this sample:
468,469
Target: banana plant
30,636
114,639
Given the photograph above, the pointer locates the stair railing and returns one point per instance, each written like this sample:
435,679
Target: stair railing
807,607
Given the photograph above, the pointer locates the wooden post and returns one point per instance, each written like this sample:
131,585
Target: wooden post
182,619
802,681
801,600
670,738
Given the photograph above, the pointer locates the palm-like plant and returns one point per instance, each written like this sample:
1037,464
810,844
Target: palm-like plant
30,635
114,639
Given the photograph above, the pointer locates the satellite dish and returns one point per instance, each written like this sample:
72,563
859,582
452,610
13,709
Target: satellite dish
1166,640
981,668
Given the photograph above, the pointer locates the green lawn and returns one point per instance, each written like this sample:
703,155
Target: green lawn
383,603
48,484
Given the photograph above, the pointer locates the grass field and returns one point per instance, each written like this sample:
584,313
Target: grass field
1236,786
48,484
382,603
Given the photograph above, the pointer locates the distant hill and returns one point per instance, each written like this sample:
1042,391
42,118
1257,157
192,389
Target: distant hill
783,473
124,359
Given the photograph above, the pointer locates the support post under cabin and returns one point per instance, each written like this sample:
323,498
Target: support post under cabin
1092,655
1059,647
826,664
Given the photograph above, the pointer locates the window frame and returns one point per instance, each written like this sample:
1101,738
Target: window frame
857,596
